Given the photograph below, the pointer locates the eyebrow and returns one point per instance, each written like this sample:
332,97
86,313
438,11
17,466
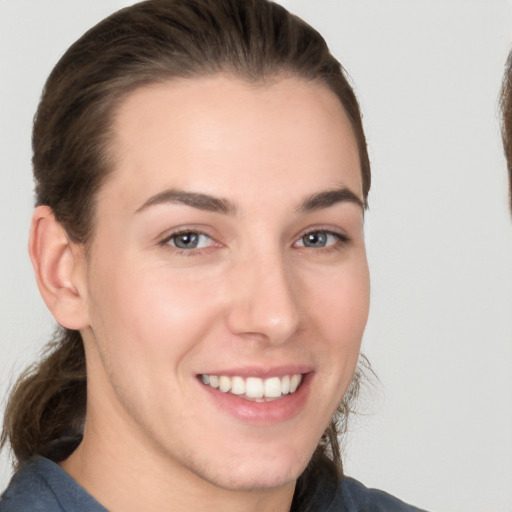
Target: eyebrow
193,199
317,201
329,198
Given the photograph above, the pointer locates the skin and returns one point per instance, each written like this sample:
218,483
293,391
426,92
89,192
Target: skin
252,296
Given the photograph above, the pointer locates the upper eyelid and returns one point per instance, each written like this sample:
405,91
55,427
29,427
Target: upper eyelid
324,229
341,237
167,235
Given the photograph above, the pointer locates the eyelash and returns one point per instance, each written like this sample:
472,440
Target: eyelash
341,240
188,252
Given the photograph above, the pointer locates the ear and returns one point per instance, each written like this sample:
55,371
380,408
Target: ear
60,269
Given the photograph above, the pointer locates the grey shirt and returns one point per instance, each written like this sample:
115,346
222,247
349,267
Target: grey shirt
42,486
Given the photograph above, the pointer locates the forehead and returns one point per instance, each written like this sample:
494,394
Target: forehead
219,131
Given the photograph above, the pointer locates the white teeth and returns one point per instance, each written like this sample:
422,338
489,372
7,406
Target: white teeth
254,387
294,382
285,385
272,387
238,386
224,383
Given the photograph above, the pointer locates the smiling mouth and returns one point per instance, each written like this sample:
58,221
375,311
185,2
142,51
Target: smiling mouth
254,388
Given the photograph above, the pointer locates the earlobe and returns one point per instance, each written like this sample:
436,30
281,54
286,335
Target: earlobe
59,266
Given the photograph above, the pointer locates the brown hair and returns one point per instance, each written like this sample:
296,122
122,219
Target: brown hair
506,120
153,41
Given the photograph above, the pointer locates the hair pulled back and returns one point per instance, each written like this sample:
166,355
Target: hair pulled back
506,120
153,41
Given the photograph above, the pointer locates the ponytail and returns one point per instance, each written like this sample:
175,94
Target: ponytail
46,408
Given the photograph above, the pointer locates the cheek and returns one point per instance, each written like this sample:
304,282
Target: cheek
338,303
341,301
152,313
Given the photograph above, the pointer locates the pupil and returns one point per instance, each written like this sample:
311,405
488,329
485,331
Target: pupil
315,240
186,240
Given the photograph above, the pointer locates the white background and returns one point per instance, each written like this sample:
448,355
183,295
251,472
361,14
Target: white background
437,429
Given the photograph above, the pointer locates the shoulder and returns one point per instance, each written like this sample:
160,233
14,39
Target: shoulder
42,486
28,491
353,496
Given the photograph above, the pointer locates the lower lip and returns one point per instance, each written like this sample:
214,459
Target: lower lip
264,413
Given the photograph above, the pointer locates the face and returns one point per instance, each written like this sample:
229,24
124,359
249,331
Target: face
227,283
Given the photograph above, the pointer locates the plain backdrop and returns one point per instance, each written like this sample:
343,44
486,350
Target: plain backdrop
436,429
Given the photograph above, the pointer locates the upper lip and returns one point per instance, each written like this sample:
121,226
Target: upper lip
262,371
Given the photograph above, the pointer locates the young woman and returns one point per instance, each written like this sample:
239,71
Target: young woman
201,177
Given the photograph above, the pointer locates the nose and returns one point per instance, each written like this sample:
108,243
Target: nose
265,300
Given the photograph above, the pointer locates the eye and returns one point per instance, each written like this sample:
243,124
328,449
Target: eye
189,240
320,239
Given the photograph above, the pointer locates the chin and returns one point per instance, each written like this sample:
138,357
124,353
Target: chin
272,479
251,475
